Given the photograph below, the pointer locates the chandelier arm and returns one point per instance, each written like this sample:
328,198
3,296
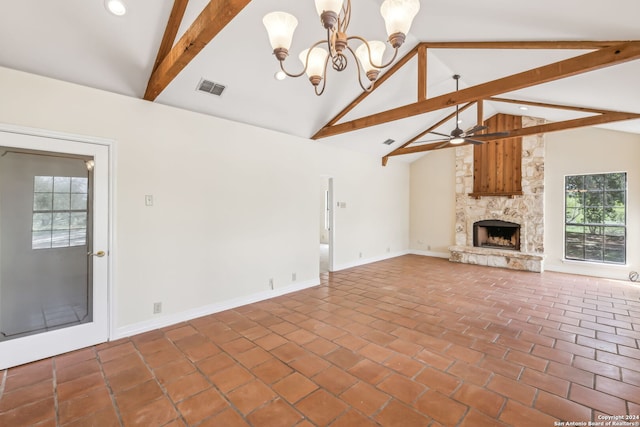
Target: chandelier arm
330,45
346,11
324,79
363,40
306,62
366,89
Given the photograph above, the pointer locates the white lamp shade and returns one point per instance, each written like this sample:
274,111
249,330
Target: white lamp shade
398,15
317,59
377,51
280,27
328,5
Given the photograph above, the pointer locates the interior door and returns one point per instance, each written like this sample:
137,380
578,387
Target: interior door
54,235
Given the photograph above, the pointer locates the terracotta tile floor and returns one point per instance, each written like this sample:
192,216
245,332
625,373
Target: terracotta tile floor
412,341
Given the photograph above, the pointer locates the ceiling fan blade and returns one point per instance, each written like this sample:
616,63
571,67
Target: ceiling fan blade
442,145
476,128
429,141
441,134
475,141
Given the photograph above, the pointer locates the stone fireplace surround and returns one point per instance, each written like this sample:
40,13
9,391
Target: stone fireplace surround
526,210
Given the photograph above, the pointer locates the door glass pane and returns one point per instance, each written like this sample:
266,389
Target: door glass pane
44,270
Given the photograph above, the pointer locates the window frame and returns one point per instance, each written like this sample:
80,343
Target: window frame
70,242
602,224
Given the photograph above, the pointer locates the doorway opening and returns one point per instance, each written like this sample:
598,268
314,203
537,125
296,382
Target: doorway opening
326,225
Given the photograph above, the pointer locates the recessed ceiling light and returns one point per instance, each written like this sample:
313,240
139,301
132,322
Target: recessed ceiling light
280,75
523,108
116,7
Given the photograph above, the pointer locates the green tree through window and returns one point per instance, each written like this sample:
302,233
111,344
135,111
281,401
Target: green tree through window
595,217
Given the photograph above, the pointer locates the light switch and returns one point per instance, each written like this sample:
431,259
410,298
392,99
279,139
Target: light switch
148,200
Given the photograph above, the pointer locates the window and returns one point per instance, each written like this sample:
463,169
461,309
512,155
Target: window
595,217
59,212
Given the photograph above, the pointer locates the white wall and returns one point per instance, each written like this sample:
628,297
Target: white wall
586,151
433,203
231,211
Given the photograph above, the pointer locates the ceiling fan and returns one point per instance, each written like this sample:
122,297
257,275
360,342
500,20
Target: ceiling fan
458,136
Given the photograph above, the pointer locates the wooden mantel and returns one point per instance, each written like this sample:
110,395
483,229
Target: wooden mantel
497,165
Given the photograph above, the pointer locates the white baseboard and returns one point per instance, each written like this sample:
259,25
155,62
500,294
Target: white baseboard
430,253
586,269
172,319
364,261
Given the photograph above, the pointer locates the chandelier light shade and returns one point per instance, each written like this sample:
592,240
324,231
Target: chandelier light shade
280,27
328,5
315,61
398,16
371,54
335,16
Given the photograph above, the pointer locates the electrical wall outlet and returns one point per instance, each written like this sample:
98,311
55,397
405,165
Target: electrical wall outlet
293,277
360,255
157,307
148,200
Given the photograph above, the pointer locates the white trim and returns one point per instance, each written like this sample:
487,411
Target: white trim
171,319
446,255
364,261
620,272
22,130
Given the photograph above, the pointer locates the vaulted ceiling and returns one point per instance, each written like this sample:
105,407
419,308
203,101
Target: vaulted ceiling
574,63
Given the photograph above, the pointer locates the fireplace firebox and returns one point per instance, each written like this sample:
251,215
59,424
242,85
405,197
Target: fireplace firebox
496,234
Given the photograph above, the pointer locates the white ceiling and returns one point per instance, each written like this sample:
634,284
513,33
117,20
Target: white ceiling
79,41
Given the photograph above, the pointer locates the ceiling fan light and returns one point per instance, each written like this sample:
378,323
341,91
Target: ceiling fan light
316,62
377,51
328,6
280,27
399,14
457,140
116,7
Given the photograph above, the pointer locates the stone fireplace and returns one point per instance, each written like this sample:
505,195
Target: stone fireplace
523,212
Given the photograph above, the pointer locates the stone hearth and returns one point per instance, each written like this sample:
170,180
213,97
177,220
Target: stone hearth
526,210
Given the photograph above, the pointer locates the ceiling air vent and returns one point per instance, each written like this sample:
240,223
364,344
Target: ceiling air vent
210,87
389,141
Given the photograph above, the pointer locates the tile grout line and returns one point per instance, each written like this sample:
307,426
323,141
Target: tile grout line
3,381
107,384
56,406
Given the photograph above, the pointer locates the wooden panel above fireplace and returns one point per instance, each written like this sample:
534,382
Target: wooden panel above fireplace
497,168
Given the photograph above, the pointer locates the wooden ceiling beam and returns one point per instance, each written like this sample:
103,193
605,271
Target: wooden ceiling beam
609,117
171,30
548,105
598,59
422,72
548,44
213,18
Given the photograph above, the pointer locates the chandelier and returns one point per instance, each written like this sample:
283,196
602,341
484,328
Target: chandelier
335,16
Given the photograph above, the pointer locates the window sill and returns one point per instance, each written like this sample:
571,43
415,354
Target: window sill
595,264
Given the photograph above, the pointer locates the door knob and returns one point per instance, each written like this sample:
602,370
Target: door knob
99,254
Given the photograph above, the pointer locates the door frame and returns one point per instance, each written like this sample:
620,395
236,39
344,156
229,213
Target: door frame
110,146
